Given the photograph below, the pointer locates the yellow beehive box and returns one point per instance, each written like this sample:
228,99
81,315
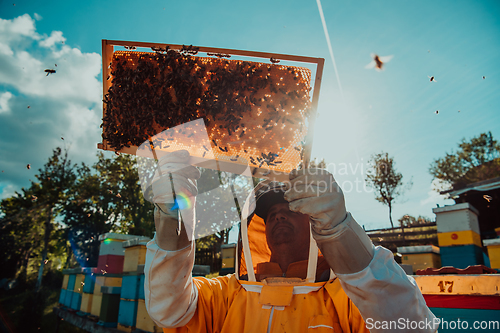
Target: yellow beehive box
79,281
464,237
65,281
144,322
228,251
493,246
228,263
135,254
422,260
420,257
101,281
96,305
86,305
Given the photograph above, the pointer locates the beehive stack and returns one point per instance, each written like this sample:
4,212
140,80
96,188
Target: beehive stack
420,257
76,299
459,235
107,280
67,288
493,246
228,258
255,113
133,269
88,291
108,316
112,253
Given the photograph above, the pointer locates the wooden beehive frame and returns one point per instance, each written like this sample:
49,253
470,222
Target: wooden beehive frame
260,172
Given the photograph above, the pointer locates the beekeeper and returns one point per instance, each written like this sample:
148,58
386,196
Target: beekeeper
351,286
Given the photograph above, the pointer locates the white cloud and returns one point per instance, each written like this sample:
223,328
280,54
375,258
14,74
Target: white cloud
76,72
433,195
22,26
37,109
4,101
55,37
7,191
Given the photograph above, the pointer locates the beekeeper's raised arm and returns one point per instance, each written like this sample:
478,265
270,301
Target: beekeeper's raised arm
169,292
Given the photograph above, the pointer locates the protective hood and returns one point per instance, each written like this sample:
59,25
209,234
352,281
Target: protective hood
253,250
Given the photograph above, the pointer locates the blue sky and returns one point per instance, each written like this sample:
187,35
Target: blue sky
457,42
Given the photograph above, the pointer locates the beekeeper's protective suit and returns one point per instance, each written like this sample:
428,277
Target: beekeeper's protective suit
352,287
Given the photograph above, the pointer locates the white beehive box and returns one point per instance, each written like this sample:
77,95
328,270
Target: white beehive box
459,217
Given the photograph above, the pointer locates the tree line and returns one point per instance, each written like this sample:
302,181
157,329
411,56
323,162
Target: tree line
475,160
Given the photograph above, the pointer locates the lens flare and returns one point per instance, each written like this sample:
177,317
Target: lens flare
182,201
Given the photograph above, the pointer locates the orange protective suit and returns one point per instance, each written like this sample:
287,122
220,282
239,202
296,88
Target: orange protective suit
228,305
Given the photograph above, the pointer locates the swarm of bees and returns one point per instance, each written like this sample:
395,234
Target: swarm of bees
241,103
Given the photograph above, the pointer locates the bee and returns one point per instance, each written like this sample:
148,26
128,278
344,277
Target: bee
28,166
118,195
49,71
29,106
436,112
378,62
34,198
487,197
432,79
130,47
159,49
484,77
62,138
192,50
274,61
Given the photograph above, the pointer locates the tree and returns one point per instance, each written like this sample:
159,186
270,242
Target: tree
55,179
475,160
121,190
21,234
411,221
387,182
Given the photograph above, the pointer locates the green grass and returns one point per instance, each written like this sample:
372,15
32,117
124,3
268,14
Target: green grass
24,311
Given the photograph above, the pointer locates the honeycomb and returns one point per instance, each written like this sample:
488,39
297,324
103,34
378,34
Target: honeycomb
254,113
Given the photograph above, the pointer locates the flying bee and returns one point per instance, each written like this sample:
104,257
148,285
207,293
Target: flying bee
130,47
436,112
28,166
431,78
487,197
378,62
274,61
49,71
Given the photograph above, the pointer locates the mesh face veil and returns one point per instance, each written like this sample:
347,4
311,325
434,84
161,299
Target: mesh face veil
253,249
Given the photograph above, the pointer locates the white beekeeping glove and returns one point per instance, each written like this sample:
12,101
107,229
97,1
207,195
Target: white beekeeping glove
174,188
342,241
